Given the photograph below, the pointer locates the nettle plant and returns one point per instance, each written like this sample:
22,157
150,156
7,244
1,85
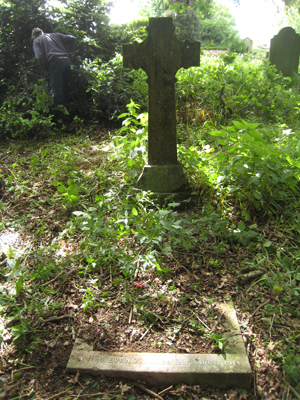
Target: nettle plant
246,88
253,167
23,115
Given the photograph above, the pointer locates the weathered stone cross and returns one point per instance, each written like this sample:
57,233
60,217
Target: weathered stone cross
161,55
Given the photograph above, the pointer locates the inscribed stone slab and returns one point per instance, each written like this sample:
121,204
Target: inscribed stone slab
226,370
231,369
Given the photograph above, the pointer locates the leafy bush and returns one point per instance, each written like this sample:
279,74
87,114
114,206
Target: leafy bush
218,33
254,167
187,24
26,112
17,18
97,43
213,31
112,87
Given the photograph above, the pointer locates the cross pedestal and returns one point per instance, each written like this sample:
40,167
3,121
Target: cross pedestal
161,55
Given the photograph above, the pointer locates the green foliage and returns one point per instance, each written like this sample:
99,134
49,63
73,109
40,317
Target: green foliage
219,340
26,112
187,24
17,18
24,106
154,8
242,89
111,87
290,15
254,167
212,30
137,24
217,30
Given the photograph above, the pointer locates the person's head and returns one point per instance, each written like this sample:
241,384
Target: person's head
36,32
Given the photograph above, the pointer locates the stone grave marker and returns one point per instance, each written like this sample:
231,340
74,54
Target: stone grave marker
161,55
249,44
285,51
231,369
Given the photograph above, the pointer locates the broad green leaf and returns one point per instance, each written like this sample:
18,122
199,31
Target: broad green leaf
217,133
174,204
83,214
267,243
257,195
277,289
253,125
134,211
55,183
74,198
252,234
241,226
19,285
62,189
238,125
166,224
117,281
256,135
297,276
233,189
253,179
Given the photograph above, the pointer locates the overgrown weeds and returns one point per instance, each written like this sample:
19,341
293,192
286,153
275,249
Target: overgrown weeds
69,208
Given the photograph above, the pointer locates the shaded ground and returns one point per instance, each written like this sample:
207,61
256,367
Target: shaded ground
175,312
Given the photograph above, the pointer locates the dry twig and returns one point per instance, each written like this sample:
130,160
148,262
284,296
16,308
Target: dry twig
165,390
57,394
54,319
57,276
157,396
292,389
258,308
145,333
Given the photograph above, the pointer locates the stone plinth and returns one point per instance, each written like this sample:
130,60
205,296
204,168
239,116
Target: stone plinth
163,179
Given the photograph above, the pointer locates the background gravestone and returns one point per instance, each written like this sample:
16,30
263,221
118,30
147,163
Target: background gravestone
249,44
285,51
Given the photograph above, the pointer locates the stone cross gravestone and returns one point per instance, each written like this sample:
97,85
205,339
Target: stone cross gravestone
161,55
285,51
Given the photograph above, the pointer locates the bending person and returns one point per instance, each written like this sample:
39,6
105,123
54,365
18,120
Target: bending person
52,52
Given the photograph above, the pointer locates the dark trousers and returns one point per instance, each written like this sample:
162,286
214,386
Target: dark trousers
60,75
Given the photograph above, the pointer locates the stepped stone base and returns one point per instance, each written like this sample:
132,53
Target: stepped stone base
168,178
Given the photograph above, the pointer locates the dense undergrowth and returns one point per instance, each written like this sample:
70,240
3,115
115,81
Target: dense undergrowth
239,143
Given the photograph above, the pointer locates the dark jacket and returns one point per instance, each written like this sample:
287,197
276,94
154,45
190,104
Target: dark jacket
51,45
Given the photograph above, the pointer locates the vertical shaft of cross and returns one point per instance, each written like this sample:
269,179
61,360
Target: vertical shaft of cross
162,138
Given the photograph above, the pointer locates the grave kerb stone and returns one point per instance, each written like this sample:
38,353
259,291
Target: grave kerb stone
231,369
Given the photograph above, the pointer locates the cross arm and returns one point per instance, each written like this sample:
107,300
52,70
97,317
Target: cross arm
133,55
